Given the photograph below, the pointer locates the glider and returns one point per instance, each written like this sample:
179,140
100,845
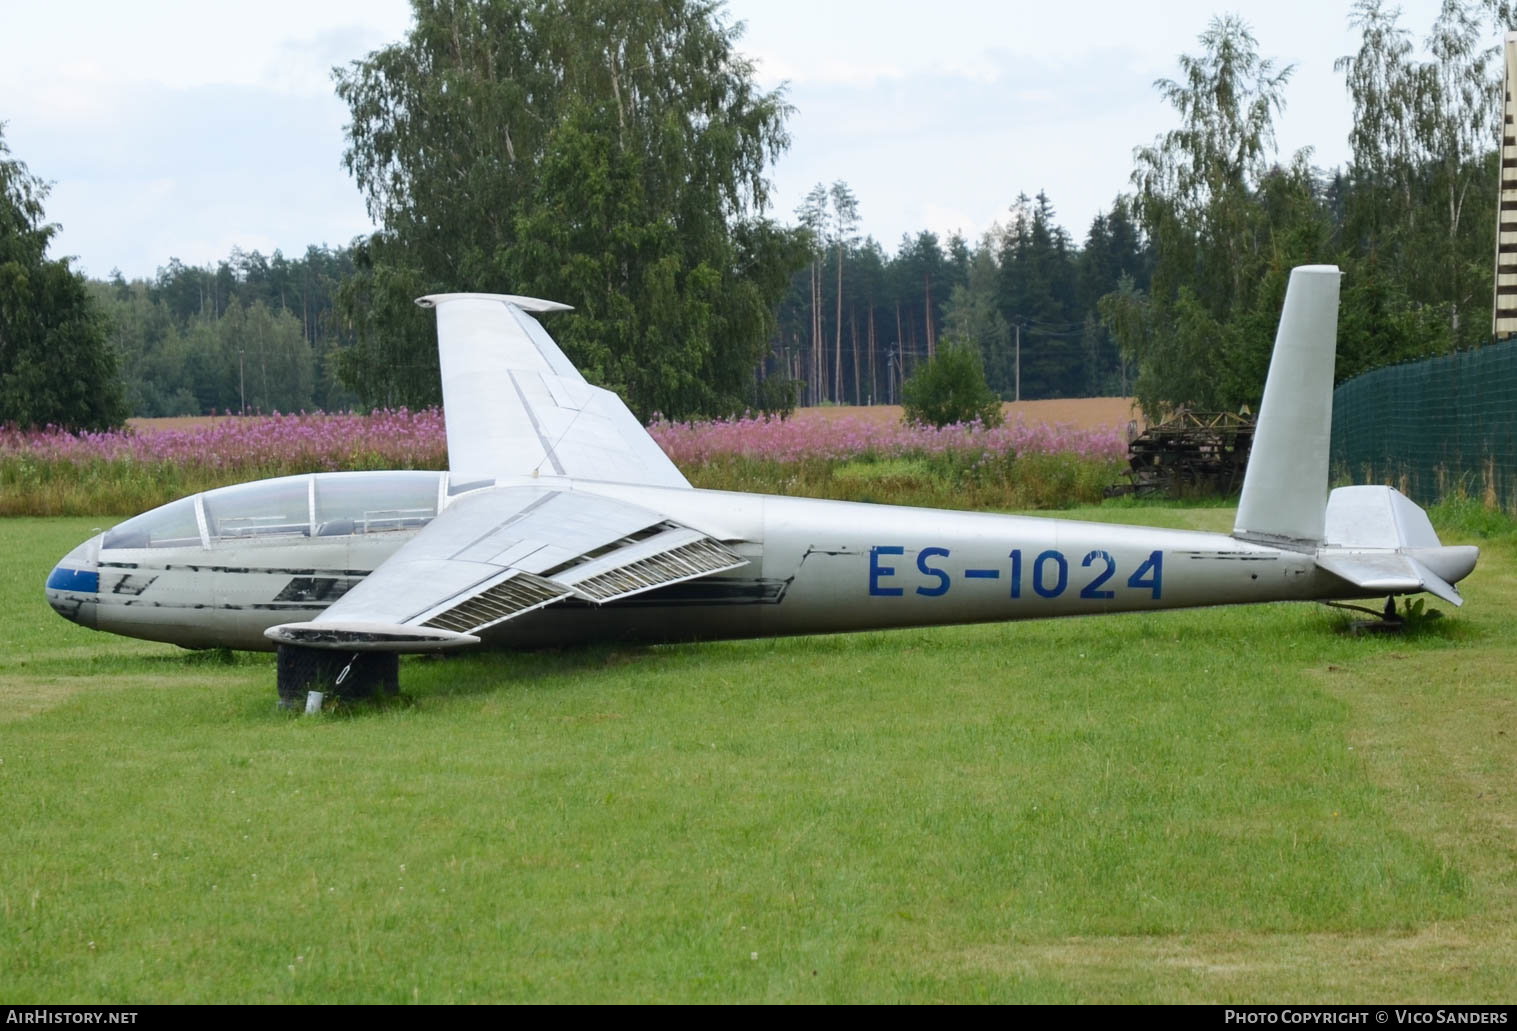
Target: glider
561,521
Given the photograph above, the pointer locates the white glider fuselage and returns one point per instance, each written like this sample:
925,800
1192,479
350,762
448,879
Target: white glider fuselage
562,521
813,567
827,566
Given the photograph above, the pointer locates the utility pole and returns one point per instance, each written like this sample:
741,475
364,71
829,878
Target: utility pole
242,390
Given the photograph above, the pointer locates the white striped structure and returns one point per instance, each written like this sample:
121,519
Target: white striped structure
1504,303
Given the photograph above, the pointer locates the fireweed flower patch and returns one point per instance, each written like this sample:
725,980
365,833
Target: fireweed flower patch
1016,465
847,439
53,472
404,439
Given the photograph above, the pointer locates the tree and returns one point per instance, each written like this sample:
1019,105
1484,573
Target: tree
845,220
610,154
246,333
951,389
812,213
920,267
974,318
1424,132
264,349
56,365
1194,182
1039,288
1113,252
1225,224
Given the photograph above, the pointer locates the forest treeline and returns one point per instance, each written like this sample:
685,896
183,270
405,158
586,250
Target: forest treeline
263,334
248,334
614,155
1174,293
1025,296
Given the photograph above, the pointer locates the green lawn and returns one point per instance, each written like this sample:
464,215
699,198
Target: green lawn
1220,805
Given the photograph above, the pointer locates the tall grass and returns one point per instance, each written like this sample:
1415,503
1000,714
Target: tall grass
1033,481
1013,466
51,472
1466,516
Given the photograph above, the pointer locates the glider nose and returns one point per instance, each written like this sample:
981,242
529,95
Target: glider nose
73,587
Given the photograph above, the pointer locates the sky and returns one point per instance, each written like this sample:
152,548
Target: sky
183,129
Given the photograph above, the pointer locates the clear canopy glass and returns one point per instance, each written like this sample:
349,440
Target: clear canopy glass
319,505
168,526
264,508
360,503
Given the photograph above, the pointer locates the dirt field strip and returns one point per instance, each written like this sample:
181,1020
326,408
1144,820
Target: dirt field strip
1083,412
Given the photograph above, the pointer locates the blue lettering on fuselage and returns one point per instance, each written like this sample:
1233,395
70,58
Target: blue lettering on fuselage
877,571
943,580
1049,573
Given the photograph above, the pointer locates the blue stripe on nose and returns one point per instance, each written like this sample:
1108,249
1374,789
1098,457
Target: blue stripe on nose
83,581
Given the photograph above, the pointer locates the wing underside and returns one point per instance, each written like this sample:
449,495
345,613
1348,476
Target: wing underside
503,553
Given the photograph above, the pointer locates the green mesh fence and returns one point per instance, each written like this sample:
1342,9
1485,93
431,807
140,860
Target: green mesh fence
1433,427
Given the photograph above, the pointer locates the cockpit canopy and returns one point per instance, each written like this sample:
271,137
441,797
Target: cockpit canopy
313,505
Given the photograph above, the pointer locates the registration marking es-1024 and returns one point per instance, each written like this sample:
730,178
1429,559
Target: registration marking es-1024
1048,573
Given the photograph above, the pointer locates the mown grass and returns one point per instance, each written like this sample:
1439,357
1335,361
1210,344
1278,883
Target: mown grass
1243,804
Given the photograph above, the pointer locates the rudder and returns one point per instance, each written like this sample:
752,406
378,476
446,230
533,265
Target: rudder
1285,487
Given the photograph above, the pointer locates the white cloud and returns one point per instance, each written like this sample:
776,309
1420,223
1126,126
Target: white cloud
304,65
773,69
945,221
181,127
978,67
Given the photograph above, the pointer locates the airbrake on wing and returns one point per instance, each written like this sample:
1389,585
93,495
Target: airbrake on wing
502,553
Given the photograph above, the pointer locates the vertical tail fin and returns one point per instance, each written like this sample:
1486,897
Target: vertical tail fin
1285,487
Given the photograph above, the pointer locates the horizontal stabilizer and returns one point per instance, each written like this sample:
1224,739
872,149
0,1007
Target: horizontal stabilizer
367,637
1379,539
1388,572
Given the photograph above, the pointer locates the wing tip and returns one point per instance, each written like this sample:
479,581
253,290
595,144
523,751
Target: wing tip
537,305
367,637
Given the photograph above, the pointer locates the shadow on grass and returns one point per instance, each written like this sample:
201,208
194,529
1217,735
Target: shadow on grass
441,678
428,681
211,657
1418,624
485,671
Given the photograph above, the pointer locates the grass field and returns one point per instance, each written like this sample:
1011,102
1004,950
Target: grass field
1222,805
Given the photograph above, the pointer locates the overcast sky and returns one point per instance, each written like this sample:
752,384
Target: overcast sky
180,129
